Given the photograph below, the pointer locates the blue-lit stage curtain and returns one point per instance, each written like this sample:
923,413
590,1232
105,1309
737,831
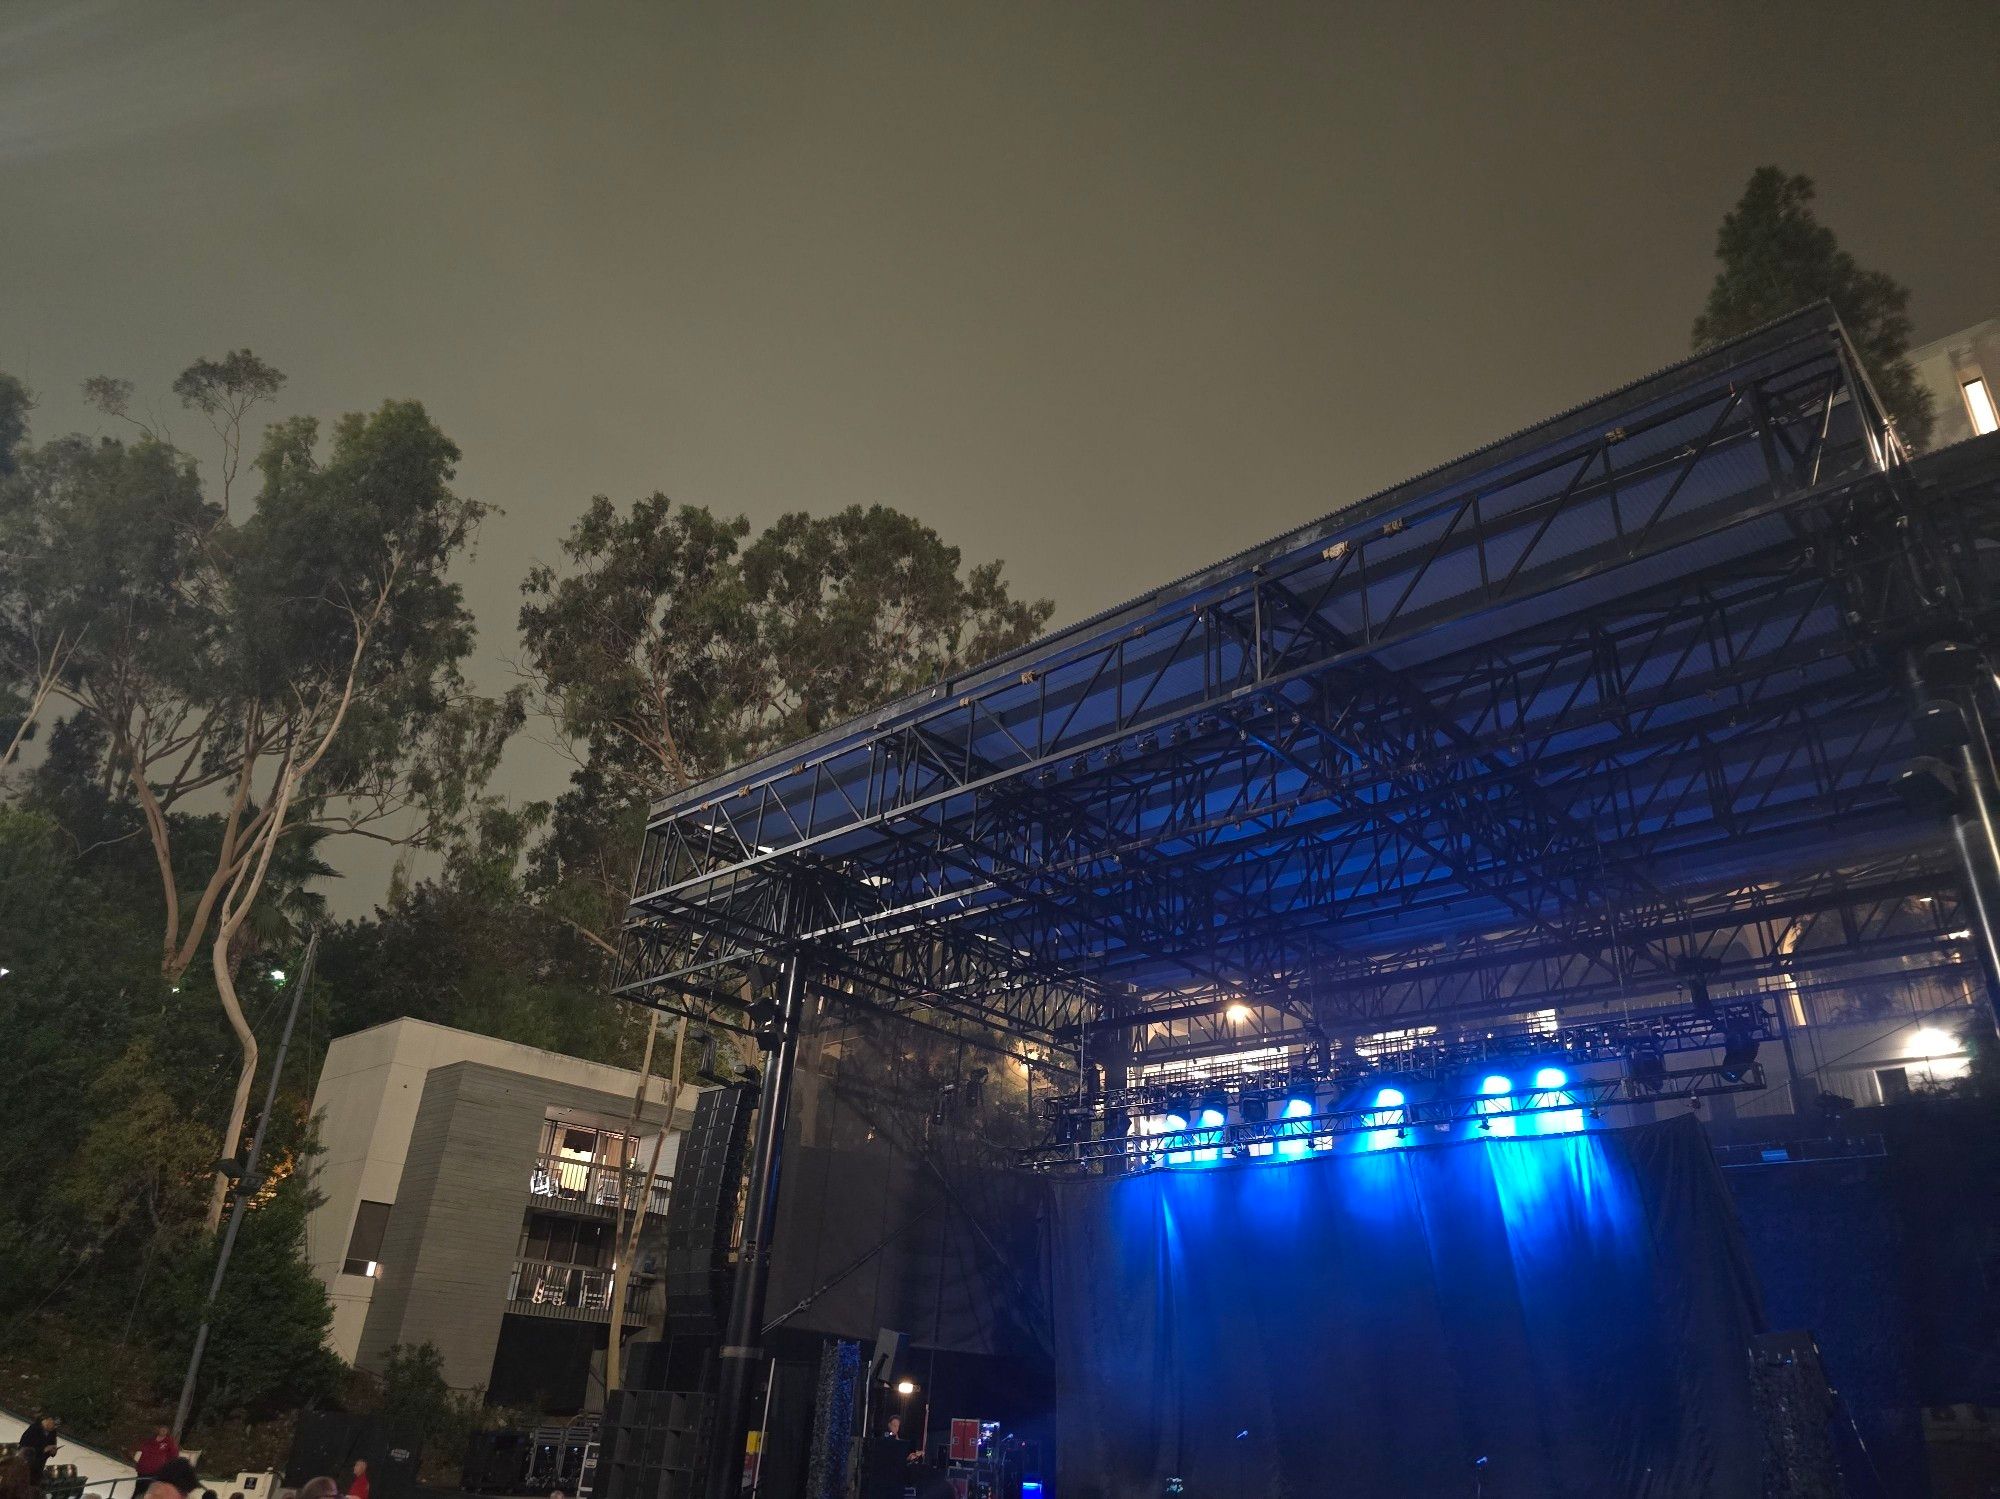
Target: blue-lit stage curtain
1574,1309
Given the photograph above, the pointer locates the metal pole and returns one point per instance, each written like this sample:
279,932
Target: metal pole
741,1340
621,1273
246,1188
627,1162
1972,827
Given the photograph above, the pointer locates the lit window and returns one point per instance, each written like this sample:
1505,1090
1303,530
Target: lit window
1979,402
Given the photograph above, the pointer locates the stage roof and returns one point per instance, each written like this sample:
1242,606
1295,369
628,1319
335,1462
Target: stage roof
1548,722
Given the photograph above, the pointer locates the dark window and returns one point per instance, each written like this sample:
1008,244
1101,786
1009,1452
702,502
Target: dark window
1894,1083
565,1241
364,1245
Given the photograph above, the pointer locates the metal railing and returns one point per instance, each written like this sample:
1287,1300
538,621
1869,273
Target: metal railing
565,1182
574,1292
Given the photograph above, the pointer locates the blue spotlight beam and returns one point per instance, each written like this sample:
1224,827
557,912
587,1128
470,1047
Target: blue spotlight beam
1240,1139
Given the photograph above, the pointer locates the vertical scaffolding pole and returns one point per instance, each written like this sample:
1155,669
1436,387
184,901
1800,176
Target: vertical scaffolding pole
1950,670
742,1340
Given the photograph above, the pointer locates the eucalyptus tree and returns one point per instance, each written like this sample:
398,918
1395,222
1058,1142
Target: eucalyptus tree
672,643
297,672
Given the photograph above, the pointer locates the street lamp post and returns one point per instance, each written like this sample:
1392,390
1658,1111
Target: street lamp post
246,1187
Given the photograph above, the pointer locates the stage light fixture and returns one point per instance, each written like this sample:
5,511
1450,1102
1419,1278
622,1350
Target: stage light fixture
1494,1088
1939,727
1209,1124
1295,1142
1238,1013
1948,664
1647,1067
1390,1098
1739,1051
1550,1078
1254,1110
1928,787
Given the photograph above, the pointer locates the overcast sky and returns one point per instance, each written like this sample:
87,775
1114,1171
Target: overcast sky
1107,290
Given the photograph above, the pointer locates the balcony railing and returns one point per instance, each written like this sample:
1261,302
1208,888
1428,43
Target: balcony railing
564,1182
576,1293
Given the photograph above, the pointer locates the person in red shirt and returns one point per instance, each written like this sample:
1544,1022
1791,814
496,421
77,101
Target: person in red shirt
158,1450
357,1486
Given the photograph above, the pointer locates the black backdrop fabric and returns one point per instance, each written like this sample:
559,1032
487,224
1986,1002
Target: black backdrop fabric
1574,1309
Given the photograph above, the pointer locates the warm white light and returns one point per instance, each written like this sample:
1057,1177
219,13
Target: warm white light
278,977
906,1387
1238,1013
1979,402
1931,1042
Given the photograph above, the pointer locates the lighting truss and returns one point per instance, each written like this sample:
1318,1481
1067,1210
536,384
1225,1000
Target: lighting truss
1605,1039
1438,1115
1539,728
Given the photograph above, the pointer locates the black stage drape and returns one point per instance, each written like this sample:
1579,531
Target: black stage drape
1573,1309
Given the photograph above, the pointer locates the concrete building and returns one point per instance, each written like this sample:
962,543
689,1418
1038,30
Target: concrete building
470,1189
1962,372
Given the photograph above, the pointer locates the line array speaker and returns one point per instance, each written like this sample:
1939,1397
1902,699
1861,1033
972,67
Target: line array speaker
701,1212
654,1445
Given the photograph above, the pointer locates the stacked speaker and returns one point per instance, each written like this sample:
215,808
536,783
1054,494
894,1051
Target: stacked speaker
655,1444
1797,1411
701,1212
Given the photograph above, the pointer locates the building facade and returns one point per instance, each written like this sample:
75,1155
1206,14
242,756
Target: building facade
470,1194
1962,372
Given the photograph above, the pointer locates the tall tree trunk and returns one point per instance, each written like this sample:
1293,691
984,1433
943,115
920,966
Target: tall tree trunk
246,1072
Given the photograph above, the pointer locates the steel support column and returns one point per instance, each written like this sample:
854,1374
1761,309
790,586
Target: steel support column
742,1341
1943,669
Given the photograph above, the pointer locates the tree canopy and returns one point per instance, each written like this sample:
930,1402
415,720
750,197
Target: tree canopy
237,661
674,644
1778,257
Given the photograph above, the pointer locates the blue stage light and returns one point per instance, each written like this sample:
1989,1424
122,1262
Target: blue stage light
1175,1125
1209,1122
1392,1123
1495,1088
1296,1108
1558,1121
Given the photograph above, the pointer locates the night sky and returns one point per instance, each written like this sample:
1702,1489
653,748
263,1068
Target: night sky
1108,290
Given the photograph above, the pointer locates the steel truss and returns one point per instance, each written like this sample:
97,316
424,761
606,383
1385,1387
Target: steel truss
1543,727
1247,1138
1664,1031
